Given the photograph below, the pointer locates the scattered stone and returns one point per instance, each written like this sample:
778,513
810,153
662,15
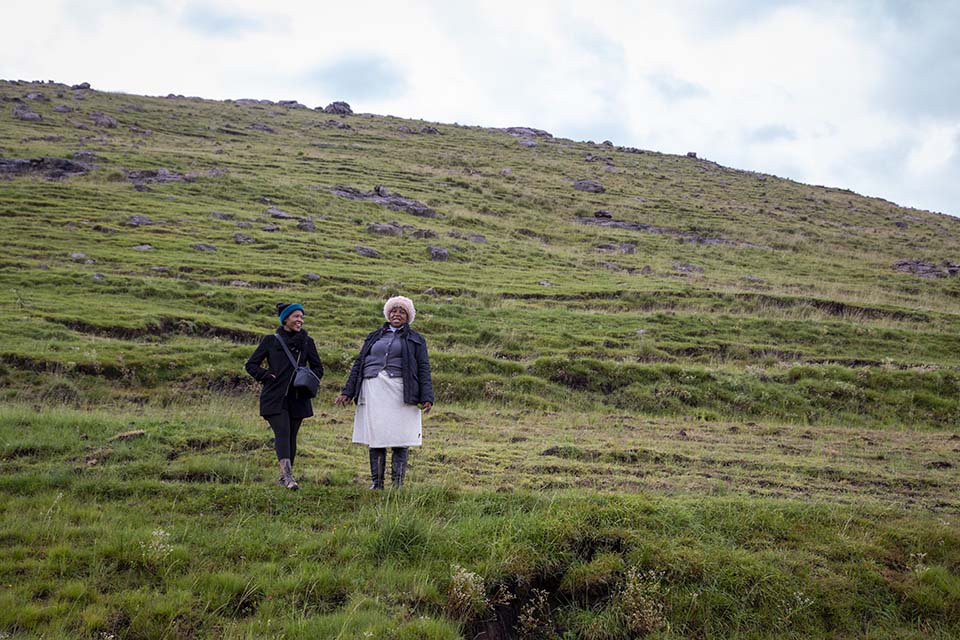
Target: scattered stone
623,247
280,214
139,221
135,108
291,104
143,132
528,132
390,229
204,247
438,254
429,130
82,85
252,101
311,277
62,108
44,266
219,215
271,227
750,278
160,269
367,252
607,143
380,195
526,143
901,224
162,175
103,120
98,277
50,168
430,292
612,266
939,464
686,267
78,255
244,225
259,126
602,213
477,237
589,157
646,270
89,261
424,233
926,269
306,225
239,238
36,96
506,173
686,236
23,112
143,247
590,186
692,154
338,108
545,283
239,283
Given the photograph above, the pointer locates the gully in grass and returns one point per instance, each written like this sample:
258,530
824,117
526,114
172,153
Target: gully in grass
390,383
284,400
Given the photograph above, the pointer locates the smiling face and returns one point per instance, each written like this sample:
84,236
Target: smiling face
294,321
397,316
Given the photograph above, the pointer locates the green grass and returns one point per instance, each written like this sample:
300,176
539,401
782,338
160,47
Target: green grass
181,532
621,447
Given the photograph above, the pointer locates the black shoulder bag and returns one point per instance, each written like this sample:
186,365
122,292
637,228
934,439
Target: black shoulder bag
303,377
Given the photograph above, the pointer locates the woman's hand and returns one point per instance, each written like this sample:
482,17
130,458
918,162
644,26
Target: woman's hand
341,400
427,406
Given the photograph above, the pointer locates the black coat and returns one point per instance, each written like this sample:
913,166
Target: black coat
276,378
417,383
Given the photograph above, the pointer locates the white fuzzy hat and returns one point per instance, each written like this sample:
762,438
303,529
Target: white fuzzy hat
400,301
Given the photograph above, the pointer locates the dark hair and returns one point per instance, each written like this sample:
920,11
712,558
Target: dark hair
281,306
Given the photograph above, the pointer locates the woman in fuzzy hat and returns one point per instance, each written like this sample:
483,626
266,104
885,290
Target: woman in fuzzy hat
390,383
283,405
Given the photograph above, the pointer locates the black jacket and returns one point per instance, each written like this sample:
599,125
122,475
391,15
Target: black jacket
277,376
417,383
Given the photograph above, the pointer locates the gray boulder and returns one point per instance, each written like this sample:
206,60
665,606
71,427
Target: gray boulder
590,186
209,248
338,108
103,120
439,254
23,112
367,252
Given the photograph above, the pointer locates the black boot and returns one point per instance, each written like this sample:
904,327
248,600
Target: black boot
398,465
286,475
378,466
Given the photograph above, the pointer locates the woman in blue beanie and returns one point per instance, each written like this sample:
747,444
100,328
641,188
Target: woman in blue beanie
283,405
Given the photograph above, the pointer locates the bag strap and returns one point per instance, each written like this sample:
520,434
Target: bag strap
295,363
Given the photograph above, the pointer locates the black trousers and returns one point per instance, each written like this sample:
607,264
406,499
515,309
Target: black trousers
285,431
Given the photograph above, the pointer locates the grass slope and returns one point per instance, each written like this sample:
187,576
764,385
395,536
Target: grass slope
731,416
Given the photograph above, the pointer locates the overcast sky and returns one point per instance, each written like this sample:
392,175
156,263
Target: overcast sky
858,95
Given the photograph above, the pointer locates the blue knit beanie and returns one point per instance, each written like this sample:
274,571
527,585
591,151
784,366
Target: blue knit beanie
286,310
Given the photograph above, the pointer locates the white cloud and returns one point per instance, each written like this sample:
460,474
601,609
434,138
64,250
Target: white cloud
845,95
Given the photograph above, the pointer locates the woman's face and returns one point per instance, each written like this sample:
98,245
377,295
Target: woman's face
294,321
397,316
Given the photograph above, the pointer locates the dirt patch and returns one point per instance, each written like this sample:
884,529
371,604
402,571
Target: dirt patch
164,327
46,167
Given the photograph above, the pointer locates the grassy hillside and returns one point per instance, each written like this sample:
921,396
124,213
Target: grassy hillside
670,417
